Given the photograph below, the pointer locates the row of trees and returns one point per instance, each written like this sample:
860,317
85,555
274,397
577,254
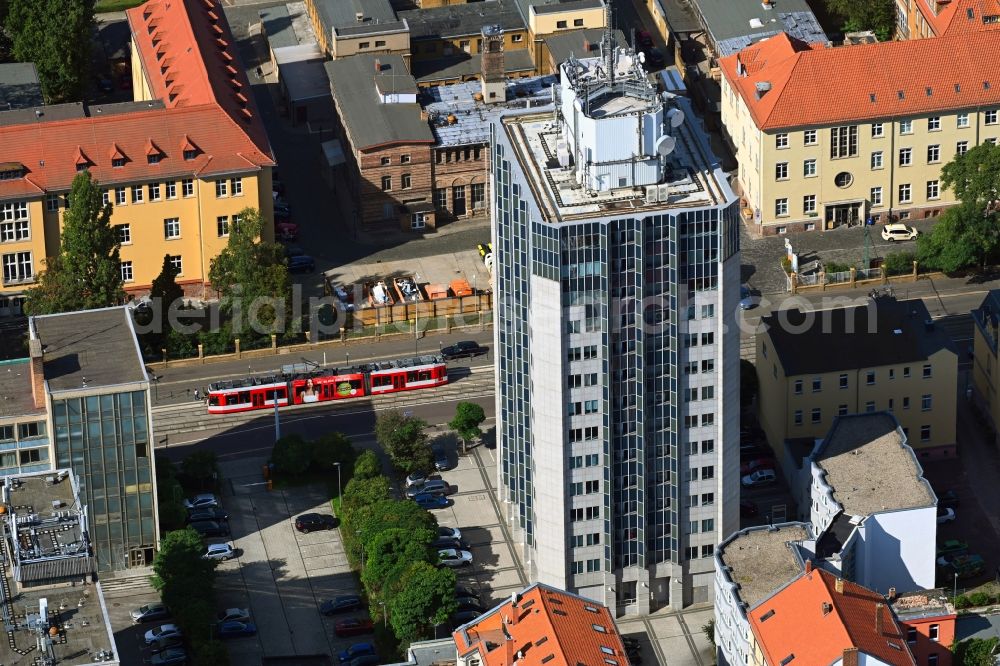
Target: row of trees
294,455
56,35
404,438
185,581
390,542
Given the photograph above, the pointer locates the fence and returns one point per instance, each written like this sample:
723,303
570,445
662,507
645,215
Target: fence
869,274
456,307
837,278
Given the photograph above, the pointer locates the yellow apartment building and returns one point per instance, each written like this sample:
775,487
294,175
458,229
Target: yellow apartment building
830,136
177,164
887,356
985,367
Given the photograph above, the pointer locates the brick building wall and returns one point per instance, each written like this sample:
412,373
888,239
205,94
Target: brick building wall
461,182
386,180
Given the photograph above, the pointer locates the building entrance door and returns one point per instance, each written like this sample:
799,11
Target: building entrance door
840,214
458,200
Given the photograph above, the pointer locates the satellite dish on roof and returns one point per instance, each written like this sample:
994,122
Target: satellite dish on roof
676,117
641,56
665,145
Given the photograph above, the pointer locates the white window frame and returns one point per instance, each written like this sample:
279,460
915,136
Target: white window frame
781,207
908,197
171,228
809,168
876,196
121,198
126,271
221,188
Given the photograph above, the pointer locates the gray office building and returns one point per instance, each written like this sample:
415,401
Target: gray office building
87,372
617,266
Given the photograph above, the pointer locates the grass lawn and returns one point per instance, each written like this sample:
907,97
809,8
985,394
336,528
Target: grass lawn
116,5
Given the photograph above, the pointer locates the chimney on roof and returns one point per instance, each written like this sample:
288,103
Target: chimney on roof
878,619
892,594
359,17
37,370
809,566
850,656
839,586
378,65
767,4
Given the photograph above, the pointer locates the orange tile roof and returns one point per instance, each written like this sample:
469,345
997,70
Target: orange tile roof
960,16
208,118
825,86
547,626
51,151
814,622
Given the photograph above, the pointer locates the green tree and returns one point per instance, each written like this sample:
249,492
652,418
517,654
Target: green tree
976,652
468,417
404,439
87,272
154,320
333,447
365,492
899,263
426,598
201,469
367,465
370,519
5,45
57,36
170,496
388,554
179,572
292,454
210,653
252,280
876,15
967,234
709,630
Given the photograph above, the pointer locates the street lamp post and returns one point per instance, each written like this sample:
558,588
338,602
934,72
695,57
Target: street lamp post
955,588
337,465
416,317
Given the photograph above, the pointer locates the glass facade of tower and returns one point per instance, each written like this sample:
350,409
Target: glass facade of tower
640,299
104,439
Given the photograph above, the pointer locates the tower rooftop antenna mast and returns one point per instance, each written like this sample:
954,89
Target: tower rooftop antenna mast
607,42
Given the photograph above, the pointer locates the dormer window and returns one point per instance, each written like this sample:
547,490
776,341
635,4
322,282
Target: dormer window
11,171
118,162
190,154
82,166
153,159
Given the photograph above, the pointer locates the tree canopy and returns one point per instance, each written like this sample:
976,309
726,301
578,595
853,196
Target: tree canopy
967,234
57,36
292,454
404,439
468,417
252,279
179,572
878,16
163,294
389,554
87,272
426,598
367,465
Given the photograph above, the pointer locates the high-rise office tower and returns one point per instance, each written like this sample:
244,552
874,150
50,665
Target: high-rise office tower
617,281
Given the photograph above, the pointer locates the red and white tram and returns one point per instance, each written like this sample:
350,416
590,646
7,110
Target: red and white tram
301,384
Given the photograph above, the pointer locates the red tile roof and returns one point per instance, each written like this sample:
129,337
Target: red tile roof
823,86
960,16
548,626
203,115
810,619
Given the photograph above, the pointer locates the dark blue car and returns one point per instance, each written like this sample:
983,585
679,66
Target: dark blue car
342,604
233,629
426,501
355,651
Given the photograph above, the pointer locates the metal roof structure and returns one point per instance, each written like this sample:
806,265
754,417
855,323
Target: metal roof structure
579,43
341,16
733,25
473,117
277,25
466,65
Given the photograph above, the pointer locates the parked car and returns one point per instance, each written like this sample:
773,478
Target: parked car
203,501
463,349
209,528
286,230
219,551
450,532
234,629
302,264
150,613
749,451
216,514
162,632
175,655
468,603
430,487
755,464
967,566
171,643
760,477
462,591
441,461
948,498
365,660
643,39
416,479
945,514
341,604
355,651
464,617
446,542
293,251
450,557
233,615
895,232
746,298
281,208
354,626
425,501
654,58
310,522
748,509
